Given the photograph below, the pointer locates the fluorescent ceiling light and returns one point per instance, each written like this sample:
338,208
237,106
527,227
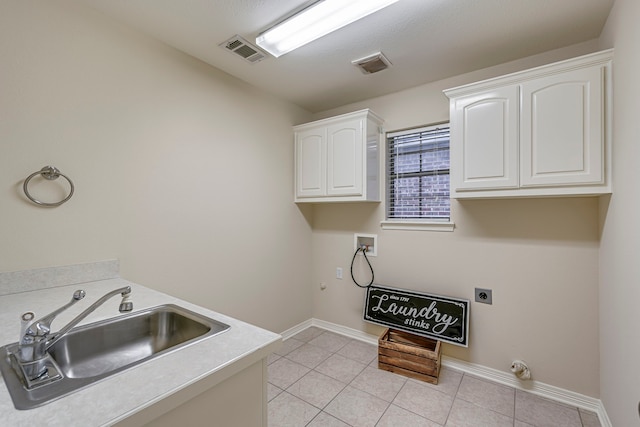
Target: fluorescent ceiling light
318,20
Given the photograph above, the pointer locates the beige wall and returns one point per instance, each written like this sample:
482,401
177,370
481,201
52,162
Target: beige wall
540,257
620,247
182,172
153,138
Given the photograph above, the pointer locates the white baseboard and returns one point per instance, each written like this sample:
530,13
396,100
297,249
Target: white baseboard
547,391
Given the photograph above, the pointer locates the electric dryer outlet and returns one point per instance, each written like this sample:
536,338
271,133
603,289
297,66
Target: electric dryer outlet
484,296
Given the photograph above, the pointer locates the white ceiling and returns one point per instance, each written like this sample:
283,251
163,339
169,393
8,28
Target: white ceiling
425,40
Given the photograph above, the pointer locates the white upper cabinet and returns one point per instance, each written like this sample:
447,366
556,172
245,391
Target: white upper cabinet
541,132
486,139
311,163
338,159
562,136
345,160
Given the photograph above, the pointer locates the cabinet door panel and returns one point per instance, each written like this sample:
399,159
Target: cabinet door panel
345,158
485,128
562,140
311,154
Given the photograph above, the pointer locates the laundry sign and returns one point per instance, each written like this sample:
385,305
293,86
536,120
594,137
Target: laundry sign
431,316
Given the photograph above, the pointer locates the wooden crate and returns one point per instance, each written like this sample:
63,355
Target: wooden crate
409,355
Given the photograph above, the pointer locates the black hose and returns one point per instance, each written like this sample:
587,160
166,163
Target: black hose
364,252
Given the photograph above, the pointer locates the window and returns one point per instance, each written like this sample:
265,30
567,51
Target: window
418,174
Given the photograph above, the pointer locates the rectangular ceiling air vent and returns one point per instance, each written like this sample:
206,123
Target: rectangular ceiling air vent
372,63
244,49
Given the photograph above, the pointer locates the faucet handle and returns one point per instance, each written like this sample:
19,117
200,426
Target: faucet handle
78,295
42,327
26,319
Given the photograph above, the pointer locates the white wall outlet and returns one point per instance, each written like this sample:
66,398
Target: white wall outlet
338,273
368,241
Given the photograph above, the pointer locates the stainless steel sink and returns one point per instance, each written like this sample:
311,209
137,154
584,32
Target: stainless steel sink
90,353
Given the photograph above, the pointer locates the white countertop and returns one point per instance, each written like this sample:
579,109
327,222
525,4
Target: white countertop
115,398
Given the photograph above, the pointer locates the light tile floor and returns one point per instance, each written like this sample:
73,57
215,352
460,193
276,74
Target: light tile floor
322,379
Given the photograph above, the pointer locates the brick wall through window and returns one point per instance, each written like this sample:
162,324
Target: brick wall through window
418,173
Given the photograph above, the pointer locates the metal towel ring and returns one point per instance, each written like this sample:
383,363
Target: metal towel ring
50,173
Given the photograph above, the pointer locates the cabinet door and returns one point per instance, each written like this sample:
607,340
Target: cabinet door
345,157
562,138
484,135
311,163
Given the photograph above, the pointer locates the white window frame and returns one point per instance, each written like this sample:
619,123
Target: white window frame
418,224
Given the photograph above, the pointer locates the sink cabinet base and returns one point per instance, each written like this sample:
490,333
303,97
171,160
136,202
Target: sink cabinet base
240,400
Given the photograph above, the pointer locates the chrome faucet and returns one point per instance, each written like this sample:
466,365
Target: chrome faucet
36,339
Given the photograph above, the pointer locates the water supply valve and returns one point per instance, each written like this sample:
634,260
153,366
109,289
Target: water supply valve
368,242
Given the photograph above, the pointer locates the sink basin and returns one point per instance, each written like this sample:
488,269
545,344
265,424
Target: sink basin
108,346
95,351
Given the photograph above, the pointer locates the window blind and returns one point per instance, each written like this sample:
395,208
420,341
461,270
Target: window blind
418,173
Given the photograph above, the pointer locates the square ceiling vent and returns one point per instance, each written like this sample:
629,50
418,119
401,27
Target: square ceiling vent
243,49
372,63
